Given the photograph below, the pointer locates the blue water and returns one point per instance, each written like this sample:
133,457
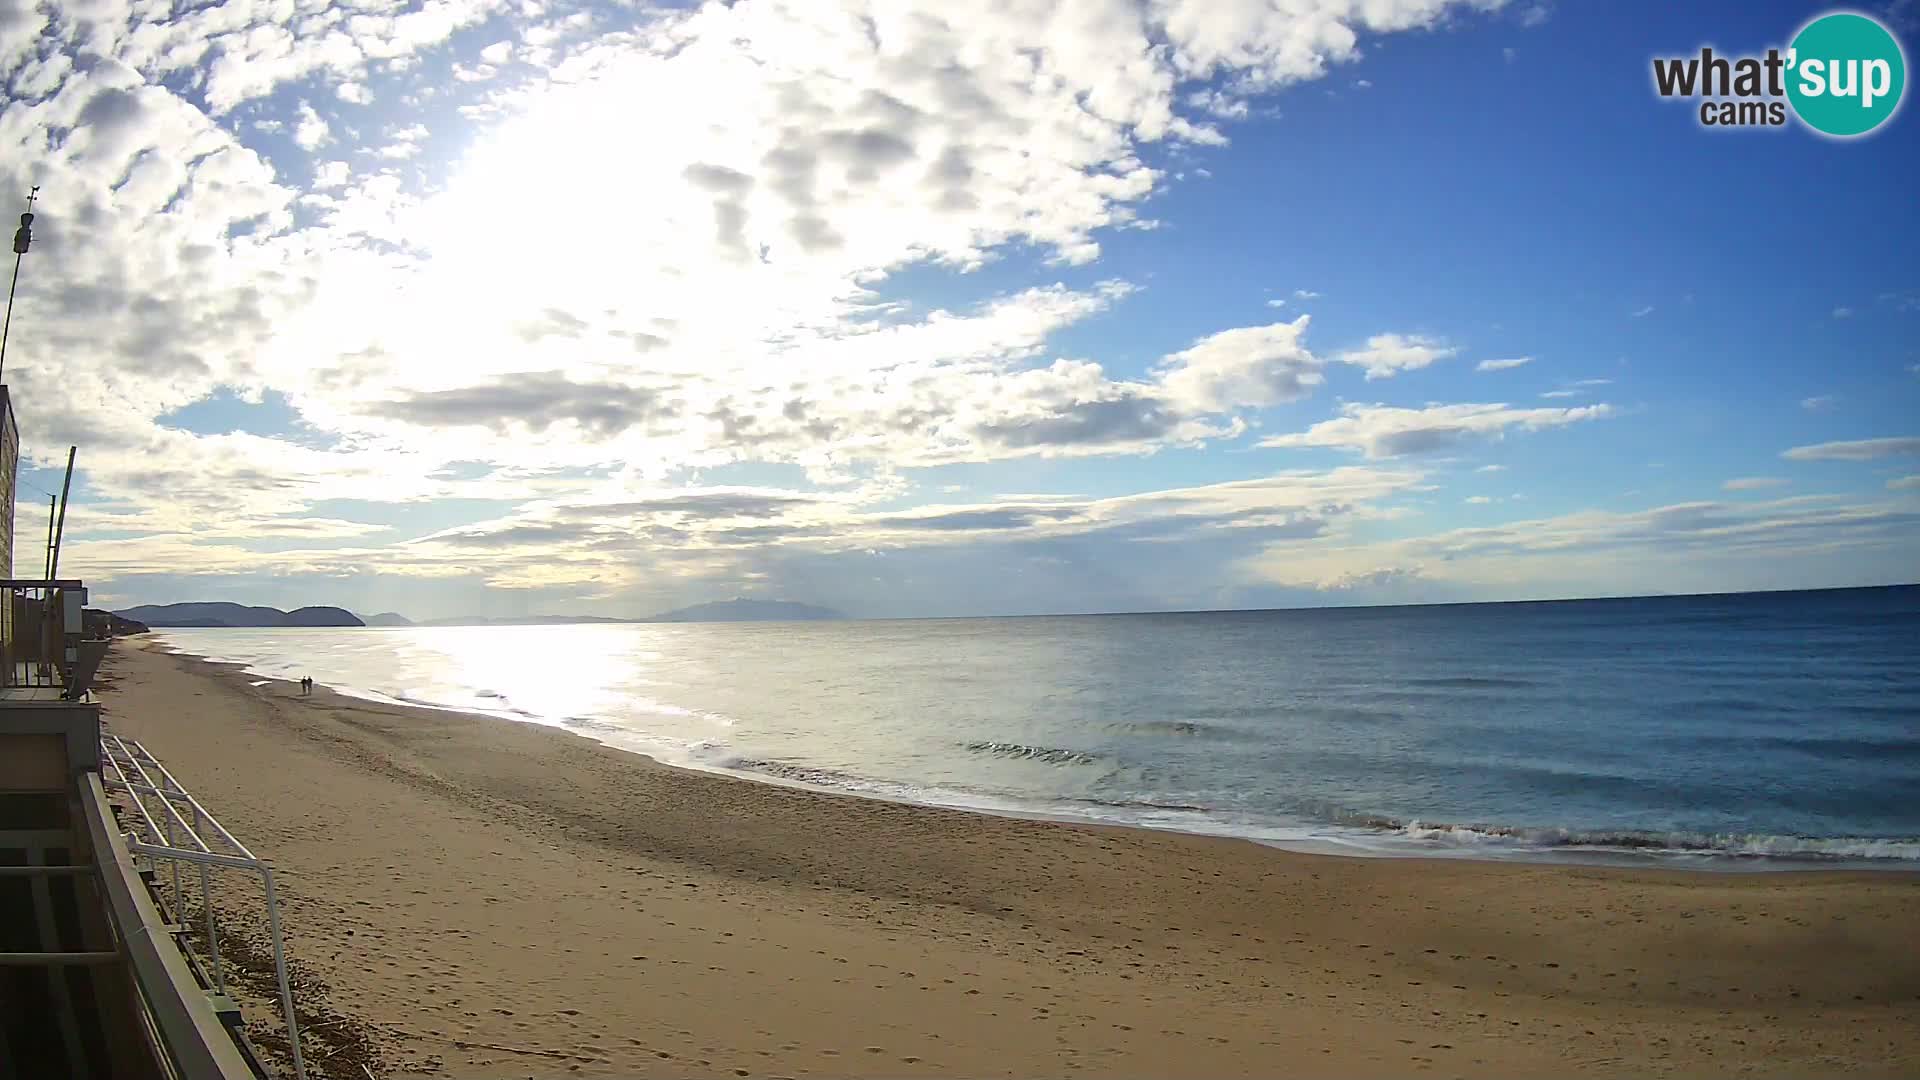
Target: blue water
1756,730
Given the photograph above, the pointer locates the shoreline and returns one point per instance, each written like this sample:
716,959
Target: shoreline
480,897
1340,841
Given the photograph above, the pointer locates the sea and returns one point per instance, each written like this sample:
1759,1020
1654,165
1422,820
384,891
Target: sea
1753,731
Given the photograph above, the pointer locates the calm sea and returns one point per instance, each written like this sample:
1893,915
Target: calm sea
1745,731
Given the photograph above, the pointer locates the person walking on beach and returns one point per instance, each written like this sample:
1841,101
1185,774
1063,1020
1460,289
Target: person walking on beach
306,685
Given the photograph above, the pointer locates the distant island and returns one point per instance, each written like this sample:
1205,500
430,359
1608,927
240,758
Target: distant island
740,609
205,615
236,615
521,620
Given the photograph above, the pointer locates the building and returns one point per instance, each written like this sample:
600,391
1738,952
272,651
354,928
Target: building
94,979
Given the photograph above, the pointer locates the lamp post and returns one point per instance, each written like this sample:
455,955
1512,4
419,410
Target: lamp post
22,239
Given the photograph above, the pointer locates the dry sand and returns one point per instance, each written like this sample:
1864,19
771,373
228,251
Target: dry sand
463,885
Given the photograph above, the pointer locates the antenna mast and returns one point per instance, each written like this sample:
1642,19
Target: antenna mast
22,239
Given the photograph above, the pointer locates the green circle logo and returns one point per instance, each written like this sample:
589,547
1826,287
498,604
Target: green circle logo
1845,74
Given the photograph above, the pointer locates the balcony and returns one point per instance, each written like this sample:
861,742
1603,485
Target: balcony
45,654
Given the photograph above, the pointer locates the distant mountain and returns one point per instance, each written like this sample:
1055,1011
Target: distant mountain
740,609
179,616
322,616
223,614
522,620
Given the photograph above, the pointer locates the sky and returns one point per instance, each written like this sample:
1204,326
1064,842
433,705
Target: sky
509,307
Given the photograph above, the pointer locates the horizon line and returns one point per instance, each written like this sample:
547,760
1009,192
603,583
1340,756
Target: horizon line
1040,615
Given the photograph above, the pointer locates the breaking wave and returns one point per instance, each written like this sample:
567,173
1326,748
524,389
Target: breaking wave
1280,764
1179,729
1747,845
1052,755
1472,682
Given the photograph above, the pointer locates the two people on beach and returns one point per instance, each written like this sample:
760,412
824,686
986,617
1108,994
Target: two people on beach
306,685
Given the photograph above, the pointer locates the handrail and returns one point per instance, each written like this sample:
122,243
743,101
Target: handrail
164,840
193,1035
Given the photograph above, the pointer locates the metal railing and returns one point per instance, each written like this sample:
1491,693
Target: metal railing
170,824
41,626
174,1014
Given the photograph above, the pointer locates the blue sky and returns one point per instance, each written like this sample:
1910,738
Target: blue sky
448,315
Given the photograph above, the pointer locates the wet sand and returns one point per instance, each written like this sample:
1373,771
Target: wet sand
487,898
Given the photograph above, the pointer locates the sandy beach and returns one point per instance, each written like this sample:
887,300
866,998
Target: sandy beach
473,897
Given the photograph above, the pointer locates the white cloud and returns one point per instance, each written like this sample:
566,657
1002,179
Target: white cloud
1305,294
1223,105
1534,15
1559,393
623,536
1250,367
1508,54
1822,403
1478,500
1855,450
571,310
1266,48
1503,365
1753,483
1383,431
311,131
1905,483
39,76
1843,313
1276,303
1491,468
1387,355
331,174
1693,546
1642,313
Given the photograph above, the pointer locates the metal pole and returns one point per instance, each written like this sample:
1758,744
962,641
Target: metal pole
168,822
22,239
8,325
280,972
206,903
53,502
60,531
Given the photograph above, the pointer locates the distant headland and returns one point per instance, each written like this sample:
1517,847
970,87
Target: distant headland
224,614
204,615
